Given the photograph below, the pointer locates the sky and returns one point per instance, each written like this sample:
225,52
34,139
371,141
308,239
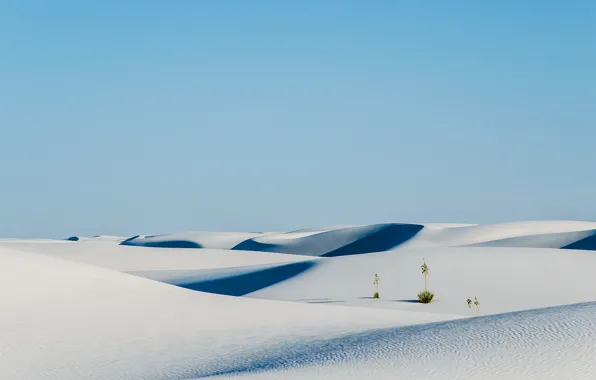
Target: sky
142,117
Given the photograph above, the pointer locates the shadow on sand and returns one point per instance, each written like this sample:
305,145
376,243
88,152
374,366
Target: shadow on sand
162,244
407,301
242,284
386,237
588,243
372,298
381,237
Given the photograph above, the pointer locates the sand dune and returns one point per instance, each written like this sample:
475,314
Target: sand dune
351,240
540,234
505,279
99,238
333,241
555,343
198,239
298,304
66,320
125,258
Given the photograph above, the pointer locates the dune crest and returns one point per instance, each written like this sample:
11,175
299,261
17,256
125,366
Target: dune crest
353,240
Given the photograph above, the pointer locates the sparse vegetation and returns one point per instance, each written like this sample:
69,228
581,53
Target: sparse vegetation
425,296
477,303
424,268
376,282
469,301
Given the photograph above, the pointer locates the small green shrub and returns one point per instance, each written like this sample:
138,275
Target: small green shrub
425,296
376,295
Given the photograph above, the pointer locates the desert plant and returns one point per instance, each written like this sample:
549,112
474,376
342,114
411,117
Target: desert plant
477,303
469,301
376,282
424,268
425,296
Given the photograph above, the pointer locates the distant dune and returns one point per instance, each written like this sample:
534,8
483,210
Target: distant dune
351,240
98,238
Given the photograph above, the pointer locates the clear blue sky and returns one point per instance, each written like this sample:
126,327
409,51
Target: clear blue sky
126,117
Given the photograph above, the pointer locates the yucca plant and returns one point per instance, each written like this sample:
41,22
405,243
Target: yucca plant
477,303
376,282
424,268
469,301
425,296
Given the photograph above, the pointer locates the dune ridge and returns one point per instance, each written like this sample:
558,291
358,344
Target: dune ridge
353,240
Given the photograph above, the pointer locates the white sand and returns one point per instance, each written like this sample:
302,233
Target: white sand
125,258
504,279
69,312
320,241
64,320
202,239
543,344
541,234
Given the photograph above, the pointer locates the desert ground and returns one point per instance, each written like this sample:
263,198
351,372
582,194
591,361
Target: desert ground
300,305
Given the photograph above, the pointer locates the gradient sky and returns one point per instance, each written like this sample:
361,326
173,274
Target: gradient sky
134,117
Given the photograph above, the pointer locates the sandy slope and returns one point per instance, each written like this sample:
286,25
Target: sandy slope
193,239
335,241
125,258
65,320
540,234
557,343
504,279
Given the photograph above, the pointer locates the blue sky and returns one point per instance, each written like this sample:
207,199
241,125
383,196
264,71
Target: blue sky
126,117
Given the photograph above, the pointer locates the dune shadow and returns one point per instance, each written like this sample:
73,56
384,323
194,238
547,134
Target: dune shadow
407,301
588,243
162,244
242,284
126,241
381,238
251,245
385,238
